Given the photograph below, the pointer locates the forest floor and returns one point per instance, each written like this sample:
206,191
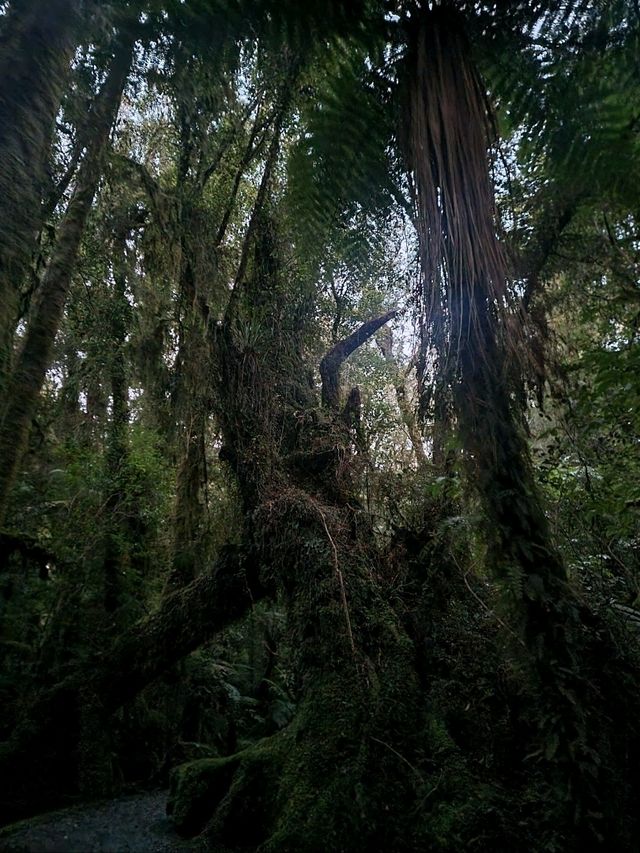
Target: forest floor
135,823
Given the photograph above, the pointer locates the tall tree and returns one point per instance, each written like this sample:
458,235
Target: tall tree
449,128
398,733
36,47
32,361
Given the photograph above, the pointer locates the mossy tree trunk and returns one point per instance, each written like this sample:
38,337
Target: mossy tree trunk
342,775
407,411
33,359
115,558
190,405
197,279
35,54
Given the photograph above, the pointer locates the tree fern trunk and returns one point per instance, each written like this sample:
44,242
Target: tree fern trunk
465,273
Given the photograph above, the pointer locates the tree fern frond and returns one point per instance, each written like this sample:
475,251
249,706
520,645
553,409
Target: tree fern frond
574,102
340,163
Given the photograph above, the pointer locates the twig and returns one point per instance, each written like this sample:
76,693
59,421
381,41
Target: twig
401,757
343,592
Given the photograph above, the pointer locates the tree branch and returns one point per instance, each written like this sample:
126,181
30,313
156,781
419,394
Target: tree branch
333,360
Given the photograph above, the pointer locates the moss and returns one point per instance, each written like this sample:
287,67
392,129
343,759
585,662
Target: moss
246,815
327,782
196,788
345,784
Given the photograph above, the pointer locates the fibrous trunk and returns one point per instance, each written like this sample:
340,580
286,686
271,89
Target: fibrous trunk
472,330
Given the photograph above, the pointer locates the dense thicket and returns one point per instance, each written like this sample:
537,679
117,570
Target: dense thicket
318,429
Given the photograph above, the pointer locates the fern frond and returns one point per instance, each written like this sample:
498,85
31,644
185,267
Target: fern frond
340,165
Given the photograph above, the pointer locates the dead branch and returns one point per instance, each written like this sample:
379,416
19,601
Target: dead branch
333,360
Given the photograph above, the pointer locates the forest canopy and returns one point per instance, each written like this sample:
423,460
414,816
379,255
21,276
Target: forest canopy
319,419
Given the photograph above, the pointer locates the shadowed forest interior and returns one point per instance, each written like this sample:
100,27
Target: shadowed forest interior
319,421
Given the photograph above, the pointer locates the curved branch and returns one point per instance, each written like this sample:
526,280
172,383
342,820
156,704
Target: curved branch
333,360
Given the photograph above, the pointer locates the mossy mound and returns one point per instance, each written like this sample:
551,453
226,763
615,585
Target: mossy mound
232,798
196,789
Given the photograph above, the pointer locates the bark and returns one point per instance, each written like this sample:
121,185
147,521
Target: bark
503,473
441,431
359,701
72,416
579,713
532,261
257,212
190,498
279,118
252,149
337,355
193,378
39,763
35,54
27,377
192,381
448,133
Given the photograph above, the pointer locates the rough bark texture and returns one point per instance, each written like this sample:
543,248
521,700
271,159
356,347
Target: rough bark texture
189,404
407,413
117,450
360,708
35,53
360,705
33,359
449,130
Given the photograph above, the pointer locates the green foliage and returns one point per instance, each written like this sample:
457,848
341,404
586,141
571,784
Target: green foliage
572,83
255,210
339,167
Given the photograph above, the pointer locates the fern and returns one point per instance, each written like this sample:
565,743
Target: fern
515,580
569,82
340,166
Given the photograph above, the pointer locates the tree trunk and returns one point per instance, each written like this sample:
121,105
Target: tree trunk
337,355
35,53
407,413
193,379
332,779
448,132
27,377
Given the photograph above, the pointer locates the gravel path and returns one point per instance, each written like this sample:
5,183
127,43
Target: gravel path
131,824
